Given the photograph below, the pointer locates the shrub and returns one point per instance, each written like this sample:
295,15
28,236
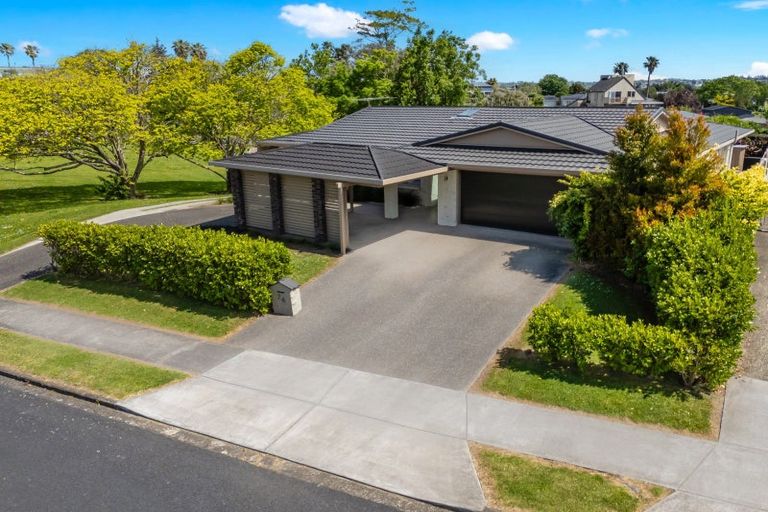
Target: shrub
699,271
577,338
747,193
234,271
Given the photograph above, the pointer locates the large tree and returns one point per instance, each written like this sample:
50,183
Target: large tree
116,111
8,50
382,27
436,70
621,68
32,51
651,63
554,85
734,90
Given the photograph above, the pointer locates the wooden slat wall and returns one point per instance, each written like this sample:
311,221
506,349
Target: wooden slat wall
258,209
332,211
298,214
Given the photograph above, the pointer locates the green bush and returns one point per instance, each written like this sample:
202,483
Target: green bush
580,339
700,270
234,271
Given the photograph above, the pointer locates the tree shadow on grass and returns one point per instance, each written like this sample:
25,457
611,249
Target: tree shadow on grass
597,376
35,199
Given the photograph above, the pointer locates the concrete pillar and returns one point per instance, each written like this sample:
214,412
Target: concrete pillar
428,190
391,209
448,198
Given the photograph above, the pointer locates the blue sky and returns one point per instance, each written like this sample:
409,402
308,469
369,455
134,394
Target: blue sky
522,39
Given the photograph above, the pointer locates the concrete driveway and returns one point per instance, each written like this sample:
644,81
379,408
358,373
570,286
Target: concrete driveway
416,301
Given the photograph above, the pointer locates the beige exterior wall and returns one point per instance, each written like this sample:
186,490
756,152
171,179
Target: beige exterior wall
258,208
601,99
298,215
502,138
332,212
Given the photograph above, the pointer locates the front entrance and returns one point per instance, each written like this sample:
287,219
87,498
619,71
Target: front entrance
508,201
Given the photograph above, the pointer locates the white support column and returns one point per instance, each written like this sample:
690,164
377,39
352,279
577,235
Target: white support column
448,200
391,209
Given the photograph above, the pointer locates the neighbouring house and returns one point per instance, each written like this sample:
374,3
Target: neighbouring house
568,100
727,110
495,167
616,90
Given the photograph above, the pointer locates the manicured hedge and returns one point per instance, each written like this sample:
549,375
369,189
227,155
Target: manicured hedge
234,271
581,339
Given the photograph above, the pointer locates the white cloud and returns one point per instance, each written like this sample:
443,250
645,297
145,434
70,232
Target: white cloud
321,20
489,41
599,33
752,5
759,68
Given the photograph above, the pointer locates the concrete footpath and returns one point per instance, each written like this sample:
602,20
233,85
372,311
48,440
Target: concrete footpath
412,438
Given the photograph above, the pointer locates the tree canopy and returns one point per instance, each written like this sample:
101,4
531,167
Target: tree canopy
397,60
734,91
117,110
553,85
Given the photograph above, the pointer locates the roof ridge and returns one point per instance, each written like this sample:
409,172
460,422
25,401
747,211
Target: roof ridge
375,162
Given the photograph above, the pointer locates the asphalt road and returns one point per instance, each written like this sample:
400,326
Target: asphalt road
55,456
34,260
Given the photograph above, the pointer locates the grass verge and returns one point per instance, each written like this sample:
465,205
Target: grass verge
132,302
519,374
307,264
101,374
514,482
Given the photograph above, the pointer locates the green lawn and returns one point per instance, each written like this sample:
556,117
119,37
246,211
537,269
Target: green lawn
524,483
132,302
654,401
102,374
28,201
307,265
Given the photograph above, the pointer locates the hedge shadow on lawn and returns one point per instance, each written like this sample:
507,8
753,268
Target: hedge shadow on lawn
595,375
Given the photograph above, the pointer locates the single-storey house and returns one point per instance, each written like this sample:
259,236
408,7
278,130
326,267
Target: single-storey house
495,167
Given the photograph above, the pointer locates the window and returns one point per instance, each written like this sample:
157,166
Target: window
616,95
631,94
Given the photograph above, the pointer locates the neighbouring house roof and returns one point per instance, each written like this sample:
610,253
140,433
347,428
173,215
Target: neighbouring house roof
365,164
726,110
720,134
608,84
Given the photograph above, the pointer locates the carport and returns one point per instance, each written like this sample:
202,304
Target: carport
302,191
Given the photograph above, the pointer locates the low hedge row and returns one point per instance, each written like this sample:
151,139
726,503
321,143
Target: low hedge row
234,271
581,339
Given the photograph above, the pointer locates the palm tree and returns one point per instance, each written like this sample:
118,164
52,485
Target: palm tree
7,49
651,63
198,51
32,52
182,48
621,68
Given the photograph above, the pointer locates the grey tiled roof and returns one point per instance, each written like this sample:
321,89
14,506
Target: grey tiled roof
720,133
404,126
333,161
535,160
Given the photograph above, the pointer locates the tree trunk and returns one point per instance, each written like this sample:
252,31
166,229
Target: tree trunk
648,86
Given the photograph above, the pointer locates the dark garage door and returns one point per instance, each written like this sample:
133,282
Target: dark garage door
510,201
